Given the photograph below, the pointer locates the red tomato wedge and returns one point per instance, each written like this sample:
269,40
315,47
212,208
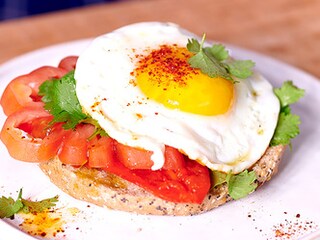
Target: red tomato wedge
180,179
189,184
38,127
101,152
23,90
134,158
22,145
74,146
68,63
51,144
173,159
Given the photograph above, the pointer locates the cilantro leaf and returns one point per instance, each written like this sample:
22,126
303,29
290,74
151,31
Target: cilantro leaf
242,184
241,68
9,207
61,100
288,93
286,110
287,129
193,45
218,51
205,61
38,206
45,92
239,185
218,178
216,62
208,65
288,123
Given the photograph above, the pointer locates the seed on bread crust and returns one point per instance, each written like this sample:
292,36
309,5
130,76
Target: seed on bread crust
108,190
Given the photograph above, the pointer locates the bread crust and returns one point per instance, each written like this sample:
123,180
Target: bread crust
107,190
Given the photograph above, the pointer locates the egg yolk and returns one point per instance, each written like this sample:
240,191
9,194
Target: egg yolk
164,75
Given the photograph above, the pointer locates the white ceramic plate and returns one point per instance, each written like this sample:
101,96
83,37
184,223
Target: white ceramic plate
291,199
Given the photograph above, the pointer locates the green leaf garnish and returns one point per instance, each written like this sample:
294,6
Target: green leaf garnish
240,68
239,185
287,129
242,184
61,100
205,61
193,45
40,206
218,178
9,207
219,52
288,123
216,62
288,93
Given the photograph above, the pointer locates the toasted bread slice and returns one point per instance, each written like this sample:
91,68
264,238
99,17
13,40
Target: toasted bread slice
108,190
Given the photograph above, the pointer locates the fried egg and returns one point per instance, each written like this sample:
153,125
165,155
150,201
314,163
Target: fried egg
137,83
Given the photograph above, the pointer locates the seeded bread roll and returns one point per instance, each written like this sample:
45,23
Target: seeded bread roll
108,190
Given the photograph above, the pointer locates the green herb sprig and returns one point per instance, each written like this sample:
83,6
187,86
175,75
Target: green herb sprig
288,123
215,61
60,99
9,207
239,185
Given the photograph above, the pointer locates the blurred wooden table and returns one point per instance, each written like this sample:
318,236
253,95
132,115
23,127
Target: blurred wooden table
288,30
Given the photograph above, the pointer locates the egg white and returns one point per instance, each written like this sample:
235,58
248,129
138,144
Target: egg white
230,142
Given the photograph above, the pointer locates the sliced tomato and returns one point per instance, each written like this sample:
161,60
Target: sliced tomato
183,180
173,159
37,128
74,146
180,180
134,158
51,144
101,152
68,63
189,184
21,145
23,90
